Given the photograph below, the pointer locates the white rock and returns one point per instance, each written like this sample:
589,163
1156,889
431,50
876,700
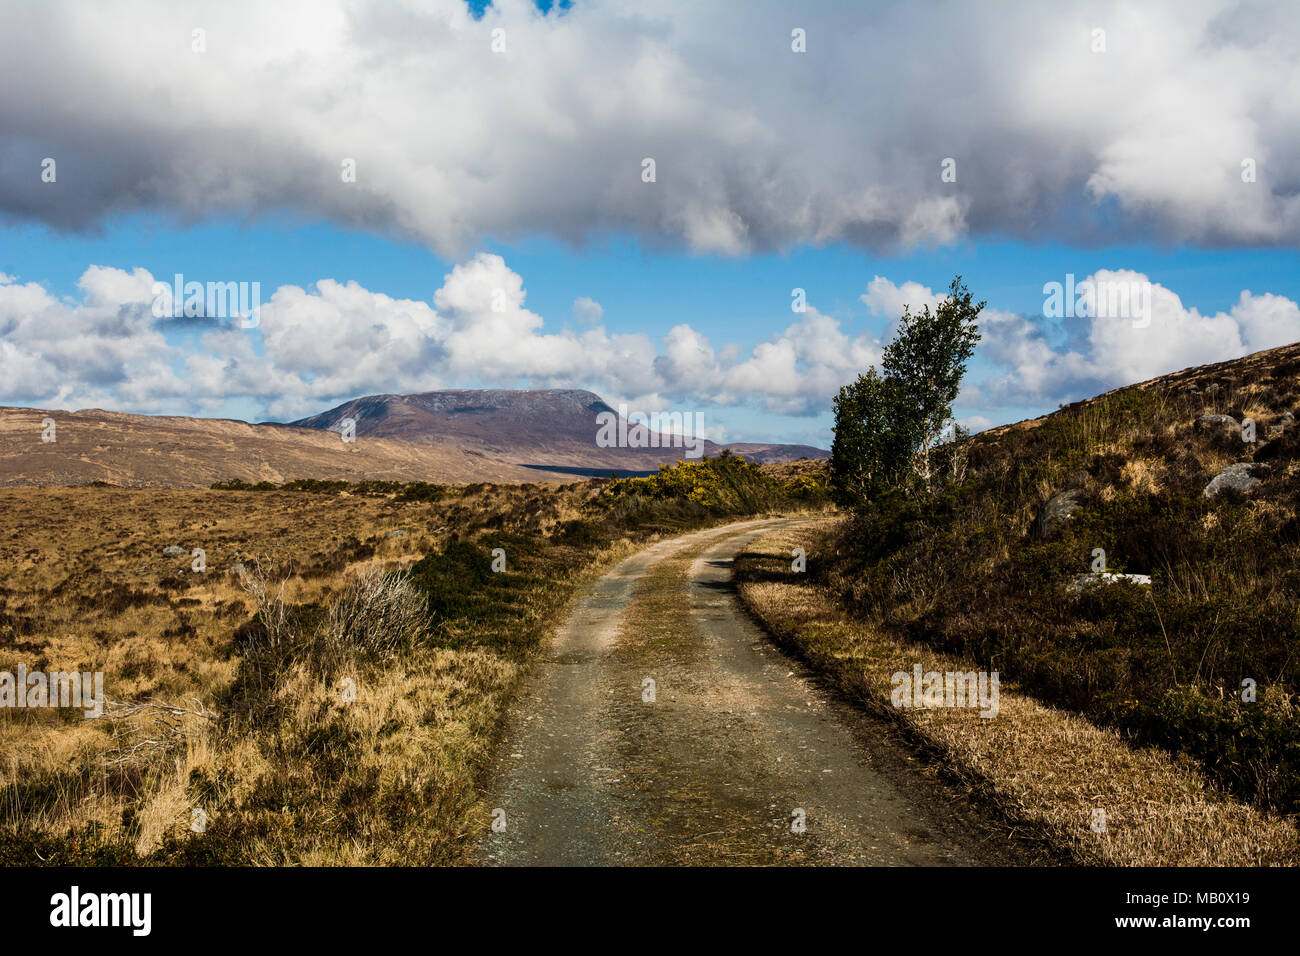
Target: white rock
1109,577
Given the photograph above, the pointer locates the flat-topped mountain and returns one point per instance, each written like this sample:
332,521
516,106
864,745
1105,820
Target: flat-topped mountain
535,427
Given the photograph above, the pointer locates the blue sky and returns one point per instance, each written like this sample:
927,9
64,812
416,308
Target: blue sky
514,171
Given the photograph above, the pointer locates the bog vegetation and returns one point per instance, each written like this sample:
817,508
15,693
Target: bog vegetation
330,689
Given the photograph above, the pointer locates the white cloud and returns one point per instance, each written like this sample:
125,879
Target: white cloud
1108,352
884,298
756,146
334,341
587,310
317,347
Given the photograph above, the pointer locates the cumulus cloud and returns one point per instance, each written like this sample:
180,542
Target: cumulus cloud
319,346
315,347
587,311
1023,363
755,146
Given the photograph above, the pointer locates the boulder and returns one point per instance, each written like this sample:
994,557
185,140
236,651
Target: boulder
1057,511
1109,577
174,551
1219,420
1237,477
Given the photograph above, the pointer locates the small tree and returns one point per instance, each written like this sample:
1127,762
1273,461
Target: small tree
927,360
887,426
861,459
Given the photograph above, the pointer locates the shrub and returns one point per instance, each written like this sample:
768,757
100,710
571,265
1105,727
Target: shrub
723,484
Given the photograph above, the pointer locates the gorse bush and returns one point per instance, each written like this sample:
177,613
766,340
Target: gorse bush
726,483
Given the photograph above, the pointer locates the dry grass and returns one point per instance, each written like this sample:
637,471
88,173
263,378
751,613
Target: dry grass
86,587
1042,767
294,692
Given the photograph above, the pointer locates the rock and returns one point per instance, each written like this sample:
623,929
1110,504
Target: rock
174,551
237,569
1219,420
397,533
1236,477
1058,510
1109,577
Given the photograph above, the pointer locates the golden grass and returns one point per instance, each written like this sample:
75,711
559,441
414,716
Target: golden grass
86,587
1040,766
294,773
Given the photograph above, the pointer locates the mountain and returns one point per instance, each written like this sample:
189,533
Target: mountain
538,428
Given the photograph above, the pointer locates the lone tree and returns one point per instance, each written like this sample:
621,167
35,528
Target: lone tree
868,453
888,426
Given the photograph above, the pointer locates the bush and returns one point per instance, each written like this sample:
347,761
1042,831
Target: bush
379,613
402,491
725,484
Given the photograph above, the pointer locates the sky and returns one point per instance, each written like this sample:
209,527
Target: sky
717,207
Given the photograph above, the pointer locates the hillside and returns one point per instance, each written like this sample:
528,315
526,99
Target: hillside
144,451
1154,479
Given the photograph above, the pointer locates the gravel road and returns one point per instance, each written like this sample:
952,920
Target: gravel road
662,727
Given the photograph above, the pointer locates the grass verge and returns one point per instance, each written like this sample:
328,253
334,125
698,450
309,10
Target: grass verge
1041,767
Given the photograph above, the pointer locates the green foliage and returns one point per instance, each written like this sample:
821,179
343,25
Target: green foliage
888,427
1254,746
401,491
872,442
928,359
238,484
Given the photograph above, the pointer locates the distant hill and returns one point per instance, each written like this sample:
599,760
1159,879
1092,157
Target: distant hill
540,428
455,437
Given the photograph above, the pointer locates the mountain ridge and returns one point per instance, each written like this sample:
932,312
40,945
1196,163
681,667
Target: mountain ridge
556,427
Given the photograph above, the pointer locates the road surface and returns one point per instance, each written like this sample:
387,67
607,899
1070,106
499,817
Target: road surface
662,727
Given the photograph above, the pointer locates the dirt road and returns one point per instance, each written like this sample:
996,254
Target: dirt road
663,728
